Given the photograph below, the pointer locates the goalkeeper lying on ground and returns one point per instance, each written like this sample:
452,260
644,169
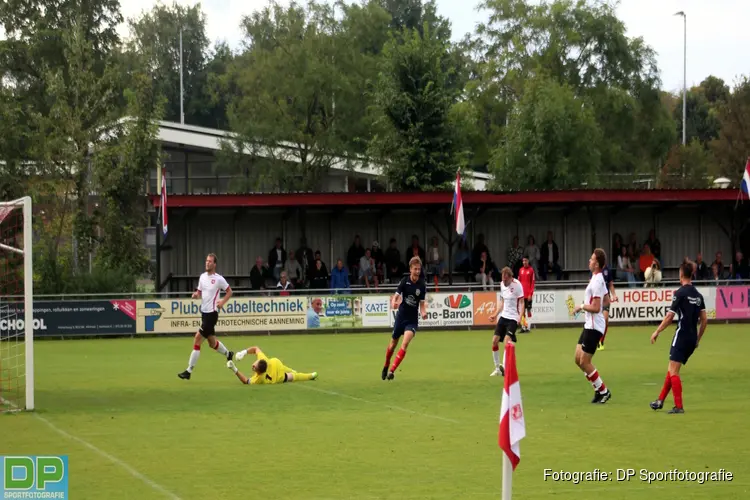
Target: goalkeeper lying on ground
268,371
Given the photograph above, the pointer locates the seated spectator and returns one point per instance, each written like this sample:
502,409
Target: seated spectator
258,275
702,271
462,261
305,257
654,244
319,274
715,275
367,270
356,251
284,286
340,278
531,252
393,266
484,270
414,251
624,268
277,259
514,256
652,275
645,260
550,259
720,266
479,247
435,266
740,269
294,271
379,258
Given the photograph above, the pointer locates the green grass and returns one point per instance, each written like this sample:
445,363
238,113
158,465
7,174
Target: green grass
213,438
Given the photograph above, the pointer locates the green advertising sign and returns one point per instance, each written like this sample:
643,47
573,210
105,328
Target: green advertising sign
341,311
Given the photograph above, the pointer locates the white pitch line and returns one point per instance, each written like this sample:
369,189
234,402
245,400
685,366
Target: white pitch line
111,458
392,407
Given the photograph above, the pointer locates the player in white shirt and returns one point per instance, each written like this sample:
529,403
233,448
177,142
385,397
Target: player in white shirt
210,286
511,306
594,326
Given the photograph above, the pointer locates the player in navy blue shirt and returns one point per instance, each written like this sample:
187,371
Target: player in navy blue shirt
689,307
410,299
611,296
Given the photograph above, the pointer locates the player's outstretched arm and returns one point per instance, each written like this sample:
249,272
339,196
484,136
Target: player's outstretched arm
396,300
242,378
665,323
423,309
704,324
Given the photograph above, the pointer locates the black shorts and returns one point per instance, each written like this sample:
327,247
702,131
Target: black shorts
506,327
404,325
589,340
682,349
208,323
527,303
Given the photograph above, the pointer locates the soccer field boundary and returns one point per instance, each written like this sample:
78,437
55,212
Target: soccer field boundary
390,407
155,486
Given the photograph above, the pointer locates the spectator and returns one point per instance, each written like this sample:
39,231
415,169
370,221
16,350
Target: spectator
356,251
740,269
340,278
624,268
645,260
550,259
702,271
479,247
393,266
415,251
514,255
305,256
715,275
531,252
379,258
284,286
654,245
617,244
258,275
319,274
294,271
435,265
367,269
633,248
483,270
652,276
719,265
277,259
462,261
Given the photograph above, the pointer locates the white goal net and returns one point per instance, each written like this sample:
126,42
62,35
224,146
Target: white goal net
16,307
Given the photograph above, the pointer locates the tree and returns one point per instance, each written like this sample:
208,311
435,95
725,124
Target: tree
551,142
688,167
284,111
732,147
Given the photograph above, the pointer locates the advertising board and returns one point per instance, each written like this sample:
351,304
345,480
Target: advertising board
343,311
61,318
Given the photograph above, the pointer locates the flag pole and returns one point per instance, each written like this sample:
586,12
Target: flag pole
507,477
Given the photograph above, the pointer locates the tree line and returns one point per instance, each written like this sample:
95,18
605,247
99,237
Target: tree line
543,95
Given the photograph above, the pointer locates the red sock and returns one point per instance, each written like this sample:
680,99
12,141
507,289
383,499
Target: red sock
388,356
399,358
596,380
667,386
677,390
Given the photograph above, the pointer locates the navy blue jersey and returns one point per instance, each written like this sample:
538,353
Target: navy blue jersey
411,294
687,304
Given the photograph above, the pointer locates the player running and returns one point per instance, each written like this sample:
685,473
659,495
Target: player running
689,307
527,277
511,305
608,299
209,285
411,301
268,371
594,326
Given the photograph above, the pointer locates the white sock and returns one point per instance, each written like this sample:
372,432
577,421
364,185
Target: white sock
193,360
220,348
496,357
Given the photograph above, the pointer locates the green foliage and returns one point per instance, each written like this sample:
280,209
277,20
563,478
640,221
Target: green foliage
691,166
732,147
552,141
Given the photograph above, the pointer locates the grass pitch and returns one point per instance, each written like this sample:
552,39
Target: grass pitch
133,430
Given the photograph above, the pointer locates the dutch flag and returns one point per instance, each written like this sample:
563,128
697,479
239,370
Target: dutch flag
745,183
458,206
163,202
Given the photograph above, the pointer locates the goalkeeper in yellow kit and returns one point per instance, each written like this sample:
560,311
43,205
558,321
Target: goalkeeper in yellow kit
268,371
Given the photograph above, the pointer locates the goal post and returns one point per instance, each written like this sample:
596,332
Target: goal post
16,306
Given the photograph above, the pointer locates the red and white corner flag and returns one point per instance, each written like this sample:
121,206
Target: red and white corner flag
163,201
457,207
512,424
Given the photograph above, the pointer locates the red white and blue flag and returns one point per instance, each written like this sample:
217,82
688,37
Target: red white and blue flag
745,183
512,424
163,202
458,206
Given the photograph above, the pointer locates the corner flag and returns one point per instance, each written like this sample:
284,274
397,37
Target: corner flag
745,182
163,202
512,424
458,206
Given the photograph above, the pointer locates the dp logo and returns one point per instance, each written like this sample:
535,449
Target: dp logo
34,477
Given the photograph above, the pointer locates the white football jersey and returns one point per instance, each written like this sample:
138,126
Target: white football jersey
510,295
210,285
596,288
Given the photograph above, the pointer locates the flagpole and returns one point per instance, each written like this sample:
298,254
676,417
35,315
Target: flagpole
507,477
157,281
